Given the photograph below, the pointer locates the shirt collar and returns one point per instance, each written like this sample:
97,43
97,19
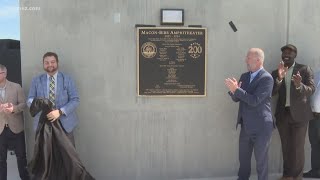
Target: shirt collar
4,87
55,75
292,65
253,74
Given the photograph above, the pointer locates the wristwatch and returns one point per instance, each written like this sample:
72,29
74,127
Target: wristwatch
298,88
60,112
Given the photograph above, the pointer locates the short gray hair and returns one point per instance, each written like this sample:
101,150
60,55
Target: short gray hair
258,52
3,68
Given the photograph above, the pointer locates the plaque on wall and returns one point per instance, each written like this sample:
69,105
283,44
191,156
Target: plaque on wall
171,61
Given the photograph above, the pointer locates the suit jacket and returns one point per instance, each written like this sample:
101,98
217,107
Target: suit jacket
255,102
15,95
66,98
299,98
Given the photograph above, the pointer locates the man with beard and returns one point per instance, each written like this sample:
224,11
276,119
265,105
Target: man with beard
61,90
294,84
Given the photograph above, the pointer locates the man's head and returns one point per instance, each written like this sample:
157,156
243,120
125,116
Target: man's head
289,53
50,62
254,59
3,73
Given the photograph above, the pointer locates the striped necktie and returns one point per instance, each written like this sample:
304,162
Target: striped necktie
51,90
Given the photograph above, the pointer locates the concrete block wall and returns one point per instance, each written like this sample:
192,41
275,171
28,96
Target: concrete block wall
123,136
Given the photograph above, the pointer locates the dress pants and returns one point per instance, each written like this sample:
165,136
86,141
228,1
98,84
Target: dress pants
259,143
292,136
17,141
314,138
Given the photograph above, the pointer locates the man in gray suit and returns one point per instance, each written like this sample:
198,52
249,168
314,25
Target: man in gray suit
254,92
12,103
61,90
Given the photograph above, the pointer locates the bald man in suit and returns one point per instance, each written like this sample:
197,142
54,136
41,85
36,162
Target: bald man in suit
12,103
253,92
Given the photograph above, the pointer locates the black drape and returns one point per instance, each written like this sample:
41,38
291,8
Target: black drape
54,157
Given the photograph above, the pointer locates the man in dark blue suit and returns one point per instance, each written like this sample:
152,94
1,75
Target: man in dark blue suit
254,92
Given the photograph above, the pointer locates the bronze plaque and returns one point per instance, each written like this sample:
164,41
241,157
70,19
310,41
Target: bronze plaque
171,61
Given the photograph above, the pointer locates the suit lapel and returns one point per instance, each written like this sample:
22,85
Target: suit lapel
2,100
245,81
256,77
7,92
59,86
283,85
44,85
294,71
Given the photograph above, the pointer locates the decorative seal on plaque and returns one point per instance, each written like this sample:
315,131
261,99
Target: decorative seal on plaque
195,50
148,50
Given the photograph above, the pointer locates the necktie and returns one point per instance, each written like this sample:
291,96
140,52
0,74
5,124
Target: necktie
51,90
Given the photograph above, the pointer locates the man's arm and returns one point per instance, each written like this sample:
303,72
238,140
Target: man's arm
276,83
73,97
21,101
263,91
235,99
307,86
32,92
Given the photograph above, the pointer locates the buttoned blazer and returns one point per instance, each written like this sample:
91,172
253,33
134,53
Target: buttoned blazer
15,95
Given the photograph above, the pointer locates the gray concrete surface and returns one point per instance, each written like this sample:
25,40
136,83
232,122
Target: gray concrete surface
13,175
122,136
12,168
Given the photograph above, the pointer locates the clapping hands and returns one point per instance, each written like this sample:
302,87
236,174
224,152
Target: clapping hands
6,107
282,71
232,84
297,79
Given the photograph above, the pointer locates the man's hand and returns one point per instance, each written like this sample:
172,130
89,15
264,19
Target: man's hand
282,71
8,107
232,84
297,79
53,115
